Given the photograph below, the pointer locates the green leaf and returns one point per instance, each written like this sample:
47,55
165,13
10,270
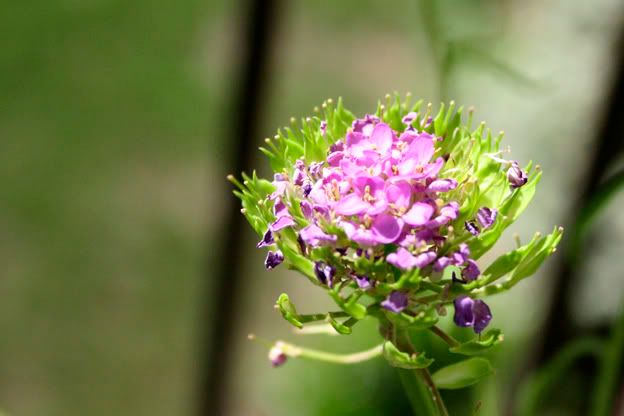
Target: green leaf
479,345
288,310
350,306
462,374
400,359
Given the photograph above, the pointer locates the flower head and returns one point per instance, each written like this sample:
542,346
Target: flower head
391,214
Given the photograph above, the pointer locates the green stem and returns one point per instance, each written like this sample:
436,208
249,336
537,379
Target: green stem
419,387
452,342
295,351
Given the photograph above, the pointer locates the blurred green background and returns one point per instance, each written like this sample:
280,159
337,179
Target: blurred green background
113,151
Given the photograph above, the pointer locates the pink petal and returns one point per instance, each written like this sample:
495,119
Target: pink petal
382,137
351,204
419,214
387,228
399,193
421,149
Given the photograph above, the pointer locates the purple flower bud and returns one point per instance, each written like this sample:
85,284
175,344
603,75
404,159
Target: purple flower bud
363,282
273,259
323,127
279,177
306,209
267,240
486,217
472,228
516,176
395,302
409,118
315,169
324,273
299,177
471,271
474,313
277,356
442,185
336,147
307,188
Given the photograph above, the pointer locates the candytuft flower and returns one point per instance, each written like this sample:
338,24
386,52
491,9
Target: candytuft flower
390,214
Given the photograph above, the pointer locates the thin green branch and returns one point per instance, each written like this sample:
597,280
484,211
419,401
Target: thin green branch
452,342
300,352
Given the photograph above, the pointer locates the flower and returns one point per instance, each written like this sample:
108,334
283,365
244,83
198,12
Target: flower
383,211
277,355
395,302
273,259
471,313
486,217
516,176
325,273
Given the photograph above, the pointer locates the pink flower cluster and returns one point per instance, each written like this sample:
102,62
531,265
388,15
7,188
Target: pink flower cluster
380,187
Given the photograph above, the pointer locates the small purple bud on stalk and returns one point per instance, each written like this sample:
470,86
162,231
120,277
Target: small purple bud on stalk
267,240
395,302
516,176
323,127
486,217
471,313
277,356
472,228
273,259
324,273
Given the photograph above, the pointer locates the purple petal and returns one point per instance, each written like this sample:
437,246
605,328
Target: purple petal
464,316
314,236
323,127
267,240
277,356
442,185
482,315
471,271
516,176
306,209
386,228
324,273
363,282
472,228
401,259
419,214
441,263
273,259
395,302
486,217
409,118
281,223
334,158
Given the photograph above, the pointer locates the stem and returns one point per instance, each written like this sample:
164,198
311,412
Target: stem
452,342
419,386
295,351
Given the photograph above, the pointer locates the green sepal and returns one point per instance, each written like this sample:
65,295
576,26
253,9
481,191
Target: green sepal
341,328
350,305
402,359
479,345
288,310
462,374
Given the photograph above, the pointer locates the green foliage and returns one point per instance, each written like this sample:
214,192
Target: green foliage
400,359
462,374
480,344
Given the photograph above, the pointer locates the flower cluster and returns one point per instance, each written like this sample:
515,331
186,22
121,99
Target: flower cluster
390,213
